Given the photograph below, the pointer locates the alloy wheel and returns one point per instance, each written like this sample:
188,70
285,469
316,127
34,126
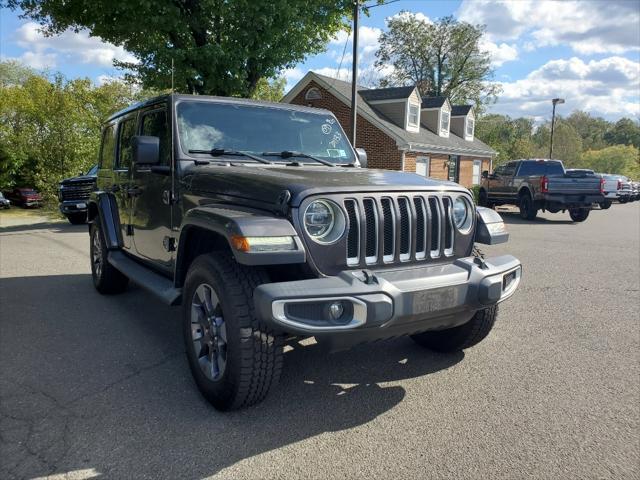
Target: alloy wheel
208,332
97,254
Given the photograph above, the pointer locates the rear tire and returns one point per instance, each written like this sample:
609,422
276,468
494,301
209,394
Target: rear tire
623,199
483,199
77,218
606,205
234,357
578,214
460,337
106,278
528,211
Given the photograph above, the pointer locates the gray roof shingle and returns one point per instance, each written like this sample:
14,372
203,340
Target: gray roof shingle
433,102
460,110
392,93
425,138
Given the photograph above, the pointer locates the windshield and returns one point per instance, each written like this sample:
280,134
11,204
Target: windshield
258,129
92,171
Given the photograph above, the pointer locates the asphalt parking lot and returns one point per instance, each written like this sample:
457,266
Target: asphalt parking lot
99,387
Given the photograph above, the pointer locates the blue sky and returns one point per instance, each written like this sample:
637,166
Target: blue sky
585,51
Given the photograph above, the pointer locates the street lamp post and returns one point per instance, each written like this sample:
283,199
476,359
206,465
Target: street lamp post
555,101
354,73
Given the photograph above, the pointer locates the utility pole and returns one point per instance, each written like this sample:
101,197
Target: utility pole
354,73
553,123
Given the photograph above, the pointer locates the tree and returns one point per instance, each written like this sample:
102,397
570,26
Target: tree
221,47
591,129
567,144
618,159
624,132
511,138
13,72
270,90
442,58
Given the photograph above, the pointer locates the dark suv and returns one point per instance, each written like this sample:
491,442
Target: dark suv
73,194
260,220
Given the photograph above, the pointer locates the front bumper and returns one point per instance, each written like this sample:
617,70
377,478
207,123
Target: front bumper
390,303
73,206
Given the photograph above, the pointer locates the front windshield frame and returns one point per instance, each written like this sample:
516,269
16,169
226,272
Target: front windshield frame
349,158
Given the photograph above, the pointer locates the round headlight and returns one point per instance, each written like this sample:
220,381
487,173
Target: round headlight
324,221
462,214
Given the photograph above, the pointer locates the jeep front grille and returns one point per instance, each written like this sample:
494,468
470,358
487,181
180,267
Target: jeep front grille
390,229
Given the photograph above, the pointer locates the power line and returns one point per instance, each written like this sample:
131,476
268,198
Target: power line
380,4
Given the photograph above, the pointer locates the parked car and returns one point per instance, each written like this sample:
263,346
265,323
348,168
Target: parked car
635,191
625,189
259,219
540,184
73,194
610,189
4,203
24,197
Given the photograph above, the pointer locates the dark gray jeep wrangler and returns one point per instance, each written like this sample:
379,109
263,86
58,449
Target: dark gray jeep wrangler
260,220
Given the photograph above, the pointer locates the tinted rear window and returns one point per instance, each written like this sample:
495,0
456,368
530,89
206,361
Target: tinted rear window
540,168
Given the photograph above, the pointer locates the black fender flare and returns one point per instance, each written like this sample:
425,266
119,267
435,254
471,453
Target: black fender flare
525,190
229,222
104,209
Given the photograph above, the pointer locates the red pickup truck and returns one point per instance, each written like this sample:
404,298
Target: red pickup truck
540,184
25,197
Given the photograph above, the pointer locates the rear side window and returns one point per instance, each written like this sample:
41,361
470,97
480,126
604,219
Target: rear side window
125,149
531,168
510,169
108,147
154,124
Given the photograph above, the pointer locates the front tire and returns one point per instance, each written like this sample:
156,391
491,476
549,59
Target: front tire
483,199
528,211
461,337
578,214
77,218
234,358
106,278
606,205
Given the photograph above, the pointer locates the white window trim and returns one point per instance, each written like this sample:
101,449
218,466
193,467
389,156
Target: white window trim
469,136
426,159
407,125
443,132
473,180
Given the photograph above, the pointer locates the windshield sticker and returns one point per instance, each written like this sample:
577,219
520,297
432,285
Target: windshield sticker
326,128
335,140
330,121
333,153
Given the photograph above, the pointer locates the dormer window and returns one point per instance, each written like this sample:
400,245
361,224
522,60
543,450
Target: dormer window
470,127
445,118
414,114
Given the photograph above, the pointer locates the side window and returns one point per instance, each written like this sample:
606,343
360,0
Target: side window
510,169
125,151
108,147
526,169
154,124
499,170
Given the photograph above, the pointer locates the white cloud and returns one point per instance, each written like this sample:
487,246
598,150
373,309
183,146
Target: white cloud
607,87
47,52
597,26
500,53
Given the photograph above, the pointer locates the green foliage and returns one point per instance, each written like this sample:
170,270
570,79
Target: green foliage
591,129
511,138
50,129
624,132
270,90
442,58
567,144
219,47
619,159
475,191
13,72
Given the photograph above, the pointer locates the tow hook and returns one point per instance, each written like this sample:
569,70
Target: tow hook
366,276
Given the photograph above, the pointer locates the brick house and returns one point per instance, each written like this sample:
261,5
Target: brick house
402,131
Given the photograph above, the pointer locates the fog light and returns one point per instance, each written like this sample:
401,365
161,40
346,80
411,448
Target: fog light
336,309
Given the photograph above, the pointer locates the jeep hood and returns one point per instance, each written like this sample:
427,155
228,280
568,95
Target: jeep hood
265,183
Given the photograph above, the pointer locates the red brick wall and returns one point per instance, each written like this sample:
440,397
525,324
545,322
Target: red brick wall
382,151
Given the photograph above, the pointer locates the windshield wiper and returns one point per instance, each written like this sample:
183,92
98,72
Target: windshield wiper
218,152
288,154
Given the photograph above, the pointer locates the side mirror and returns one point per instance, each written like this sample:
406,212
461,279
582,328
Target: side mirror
146,150
362,157
485,174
